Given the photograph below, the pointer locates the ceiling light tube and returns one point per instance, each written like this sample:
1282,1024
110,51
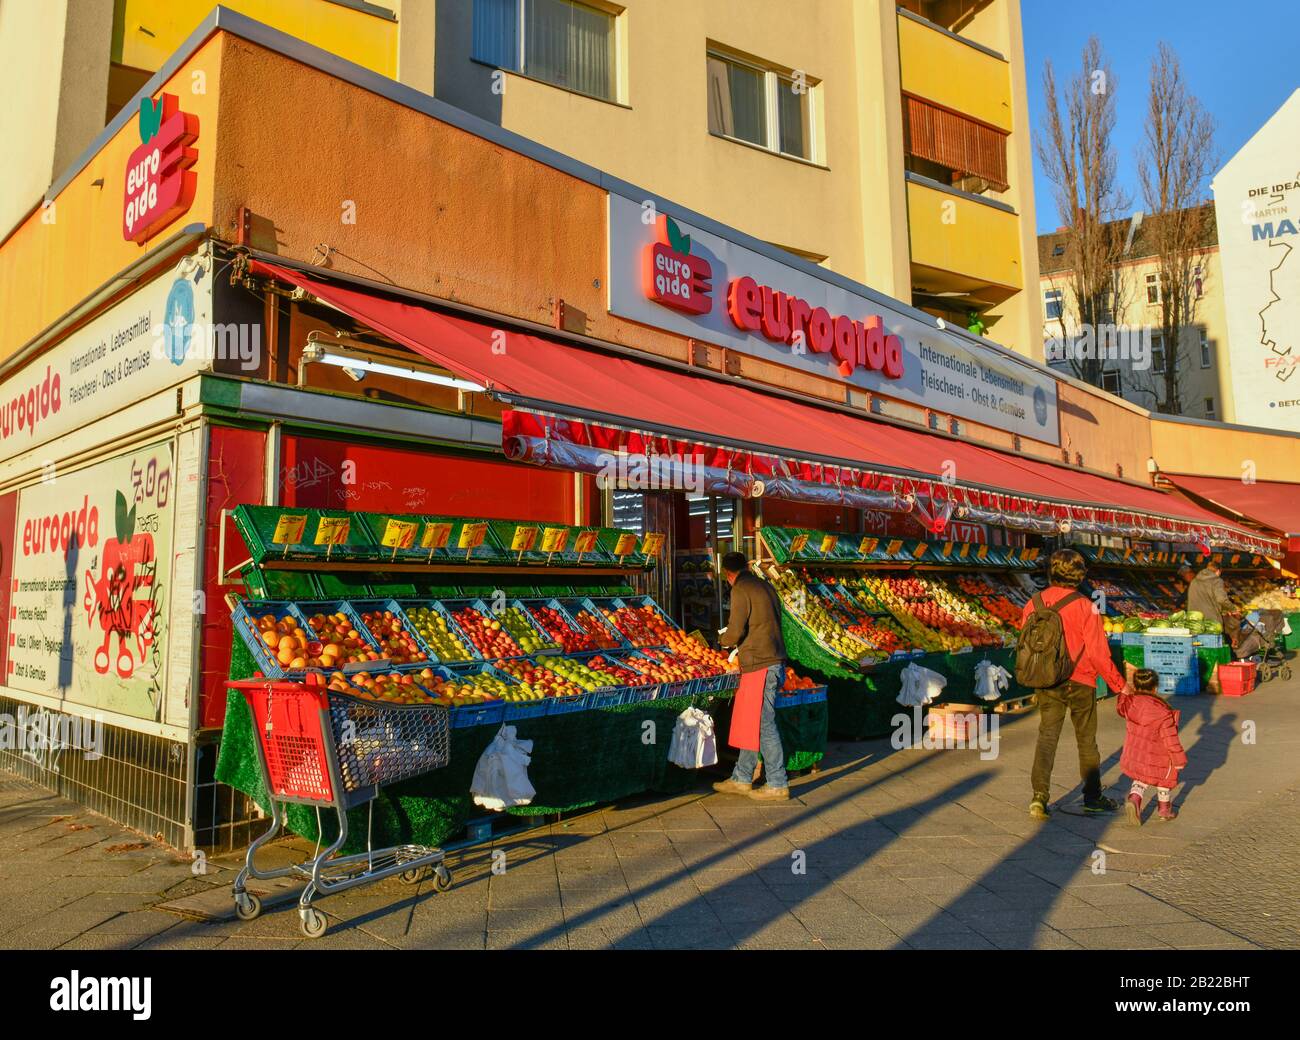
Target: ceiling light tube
319,354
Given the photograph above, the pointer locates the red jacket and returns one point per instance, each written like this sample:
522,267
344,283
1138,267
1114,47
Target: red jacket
1084,638
1152,751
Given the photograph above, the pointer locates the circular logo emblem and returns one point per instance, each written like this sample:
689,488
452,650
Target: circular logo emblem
178,321
757,488
1040,405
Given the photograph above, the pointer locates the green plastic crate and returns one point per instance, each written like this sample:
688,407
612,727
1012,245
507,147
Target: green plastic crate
258,526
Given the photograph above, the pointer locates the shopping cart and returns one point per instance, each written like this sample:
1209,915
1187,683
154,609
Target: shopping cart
318,746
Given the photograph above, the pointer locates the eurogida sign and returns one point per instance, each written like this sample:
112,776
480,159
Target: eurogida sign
671,275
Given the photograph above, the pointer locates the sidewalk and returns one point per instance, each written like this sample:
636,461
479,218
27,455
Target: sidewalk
928,849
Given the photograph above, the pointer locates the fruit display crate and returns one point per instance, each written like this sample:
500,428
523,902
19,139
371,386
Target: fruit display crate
282,532
540,611
455,606
598,606
244,616
434,538
405,612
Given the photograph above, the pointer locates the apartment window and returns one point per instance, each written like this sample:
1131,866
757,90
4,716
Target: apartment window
1157,354
1198,282
760,106
1153,288
1209,408
1110,382
1205,349
567,44
1052,303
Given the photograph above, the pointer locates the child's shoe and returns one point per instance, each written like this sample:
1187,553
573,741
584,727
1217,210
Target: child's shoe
1133,809
1167,812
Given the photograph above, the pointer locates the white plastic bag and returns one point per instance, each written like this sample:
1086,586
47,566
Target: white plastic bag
693,744
501,775
920,686
990,680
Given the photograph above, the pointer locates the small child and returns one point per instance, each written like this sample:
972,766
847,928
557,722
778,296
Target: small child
1152,751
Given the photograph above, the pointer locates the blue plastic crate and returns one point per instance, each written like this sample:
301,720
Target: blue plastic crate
1166,662
1169,643
1212,640
565,705
1131,639
608,698
477,714
526,709
817,695
246,611
402,606
789,700
1181,684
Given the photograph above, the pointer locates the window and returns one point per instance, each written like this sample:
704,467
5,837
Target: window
760,106
1209,408
1052,303
1198,282
1205,349
1157,354
1110,382
1153,288
953,149
568,44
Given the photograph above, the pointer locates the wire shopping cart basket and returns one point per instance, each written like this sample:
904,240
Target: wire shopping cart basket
318,746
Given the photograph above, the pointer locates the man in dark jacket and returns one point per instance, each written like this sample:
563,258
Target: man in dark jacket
1208,594
754,629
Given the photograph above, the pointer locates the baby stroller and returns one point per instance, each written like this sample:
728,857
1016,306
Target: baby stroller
1260,640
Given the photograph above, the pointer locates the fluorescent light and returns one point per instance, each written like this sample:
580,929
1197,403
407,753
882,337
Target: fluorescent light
401,372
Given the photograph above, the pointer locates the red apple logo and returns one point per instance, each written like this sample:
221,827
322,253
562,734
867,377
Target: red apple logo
121,599
672,276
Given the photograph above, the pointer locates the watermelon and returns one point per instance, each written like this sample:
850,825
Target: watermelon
1132,624
1212,628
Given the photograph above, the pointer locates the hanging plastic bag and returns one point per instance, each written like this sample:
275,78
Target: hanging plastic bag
990,680
920,686
693,744
501,775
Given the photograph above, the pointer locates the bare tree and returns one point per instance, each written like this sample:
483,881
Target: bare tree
1078,156
1176,160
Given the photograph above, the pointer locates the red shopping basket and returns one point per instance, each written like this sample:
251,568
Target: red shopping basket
1237,679
290,719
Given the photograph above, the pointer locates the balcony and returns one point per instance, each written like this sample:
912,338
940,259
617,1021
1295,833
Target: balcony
953,72
962,244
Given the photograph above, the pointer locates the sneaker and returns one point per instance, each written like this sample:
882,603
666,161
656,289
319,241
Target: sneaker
1038,809
1133,809
1165,812
768,793
1100,804
732,787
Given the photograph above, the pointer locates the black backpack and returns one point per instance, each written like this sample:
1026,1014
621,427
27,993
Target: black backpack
1042,656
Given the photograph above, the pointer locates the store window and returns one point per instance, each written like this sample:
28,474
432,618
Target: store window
1053,303
1206,359
1210,413
567,44
1153,288
760,106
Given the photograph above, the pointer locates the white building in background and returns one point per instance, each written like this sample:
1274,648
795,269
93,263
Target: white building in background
1257,198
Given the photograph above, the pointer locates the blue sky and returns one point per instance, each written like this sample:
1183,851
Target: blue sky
1239,59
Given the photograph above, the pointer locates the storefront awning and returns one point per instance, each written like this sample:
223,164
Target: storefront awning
573,407
1273,503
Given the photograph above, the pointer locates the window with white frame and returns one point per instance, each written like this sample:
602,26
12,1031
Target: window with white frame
1053,302
1209,408
1110,382
1153,288
561,42
1157,354
1206,359
759,105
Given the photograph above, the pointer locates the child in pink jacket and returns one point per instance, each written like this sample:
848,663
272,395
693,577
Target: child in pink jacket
1152,754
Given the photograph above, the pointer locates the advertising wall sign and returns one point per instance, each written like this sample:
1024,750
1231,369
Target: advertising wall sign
670,275
160,183
1257,207
159,336
89,585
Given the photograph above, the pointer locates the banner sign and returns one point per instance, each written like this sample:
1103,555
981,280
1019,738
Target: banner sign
89,605
671,275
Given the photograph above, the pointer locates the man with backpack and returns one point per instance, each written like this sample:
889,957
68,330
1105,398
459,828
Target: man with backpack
1061,651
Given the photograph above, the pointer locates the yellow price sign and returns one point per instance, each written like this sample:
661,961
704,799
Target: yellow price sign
893,546
918,550
982,552
554,539
652,544
289,529
586,542
946,549
436,535
472,535
524,539
399,534
964,551
797,544
868,545
626,545
333,530
829,541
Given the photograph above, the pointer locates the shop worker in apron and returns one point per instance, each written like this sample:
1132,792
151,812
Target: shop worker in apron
754,629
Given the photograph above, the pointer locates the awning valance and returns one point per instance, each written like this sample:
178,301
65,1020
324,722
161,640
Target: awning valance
1272,503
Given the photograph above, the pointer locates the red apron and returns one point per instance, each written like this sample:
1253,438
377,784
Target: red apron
747,710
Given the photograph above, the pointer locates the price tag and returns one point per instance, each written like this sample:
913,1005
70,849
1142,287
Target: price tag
798,544
892,547
829,541
554,539
918,550
436,535
524,539
586,542
946,549
982,552
625,546
1031,554
399,534
964,551
333,530
868,545
289,529
652,544
472,535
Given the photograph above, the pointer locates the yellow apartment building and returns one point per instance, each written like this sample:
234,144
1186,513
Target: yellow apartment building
888,142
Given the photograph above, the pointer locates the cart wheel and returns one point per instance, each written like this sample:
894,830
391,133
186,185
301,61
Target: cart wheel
247,906
1286,673
441,878
411,877
313,923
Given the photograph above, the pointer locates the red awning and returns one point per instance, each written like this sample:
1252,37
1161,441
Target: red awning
741,428
1273,503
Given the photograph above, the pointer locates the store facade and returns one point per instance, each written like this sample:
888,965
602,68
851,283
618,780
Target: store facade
442,319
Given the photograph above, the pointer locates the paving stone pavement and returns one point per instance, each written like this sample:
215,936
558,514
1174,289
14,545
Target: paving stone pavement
883,849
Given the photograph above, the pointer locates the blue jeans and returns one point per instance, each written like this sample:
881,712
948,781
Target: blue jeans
769,739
